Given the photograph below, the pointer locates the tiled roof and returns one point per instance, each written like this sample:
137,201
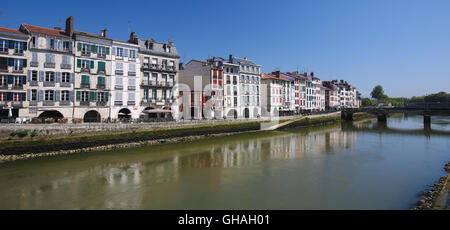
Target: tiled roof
271,76
41,30
8,30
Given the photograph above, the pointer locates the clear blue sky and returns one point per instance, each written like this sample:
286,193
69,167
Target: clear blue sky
404,45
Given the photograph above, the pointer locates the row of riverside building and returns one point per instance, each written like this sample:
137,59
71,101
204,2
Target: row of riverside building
75,76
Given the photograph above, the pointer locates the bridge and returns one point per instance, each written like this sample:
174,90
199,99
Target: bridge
381,127
382,112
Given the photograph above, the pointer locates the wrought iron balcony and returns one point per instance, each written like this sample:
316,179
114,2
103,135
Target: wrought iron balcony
49,65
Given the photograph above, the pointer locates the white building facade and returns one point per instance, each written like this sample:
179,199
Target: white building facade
125,79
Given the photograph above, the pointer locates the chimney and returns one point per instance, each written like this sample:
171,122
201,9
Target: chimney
312,74
133,38
105,33
69,26
276,73
57,28
245,58
305,73
230,58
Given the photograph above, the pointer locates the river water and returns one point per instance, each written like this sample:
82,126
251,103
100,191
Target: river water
366,165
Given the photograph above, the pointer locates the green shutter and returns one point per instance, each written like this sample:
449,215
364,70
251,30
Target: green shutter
79,46
84,79
101,65
93,48
107,50
79,63
106,96
92,96
91,64
101,80
78,95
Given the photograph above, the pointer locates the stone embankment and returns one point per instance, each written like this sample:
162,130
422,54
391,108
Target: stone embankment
141,134
437,196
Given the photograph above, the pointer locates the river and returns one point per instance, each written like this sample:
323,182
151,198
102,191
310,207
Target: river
364,165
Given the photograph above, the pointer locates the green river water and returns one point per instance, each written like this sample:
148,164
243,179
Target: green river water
367,165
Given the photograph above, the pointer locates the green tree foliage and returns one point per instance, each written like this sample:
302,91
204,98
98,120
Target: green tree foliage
378,93
367,102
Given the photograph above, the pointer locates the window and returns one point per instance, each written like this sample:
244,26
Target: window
18,64
118,81
164,94
119,66
84,96
65,77
34,94
49,95
101,96
85,49
164,63
119,52
131,96
52,44
132,53
131,82
65,95
154,77
34,75
146,61
101,51
146,94
155,61
3,80
154,93
49,76
118,96
131,67
167,49
3,45
85,64
66,45
18,81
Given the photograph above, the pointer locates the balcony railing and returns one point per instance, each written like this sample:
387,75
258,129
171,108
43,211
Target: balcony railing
64,103
84,103
49,83
66,66
131,73
85,53
101,86
85,85
101,103
119,72
49,65
34,64
131,87
85,69
34,83
118,87
17,103
48,103
118,103
65,84
131,103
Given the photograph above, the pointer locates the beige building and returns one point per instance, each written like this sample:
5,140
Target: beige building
50,73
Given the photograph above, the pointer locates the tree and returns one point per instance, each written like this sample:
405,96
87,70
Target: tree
378,93
367,102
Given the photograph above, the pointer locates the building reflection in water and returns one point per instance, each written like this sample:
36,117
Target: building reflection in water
132,179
